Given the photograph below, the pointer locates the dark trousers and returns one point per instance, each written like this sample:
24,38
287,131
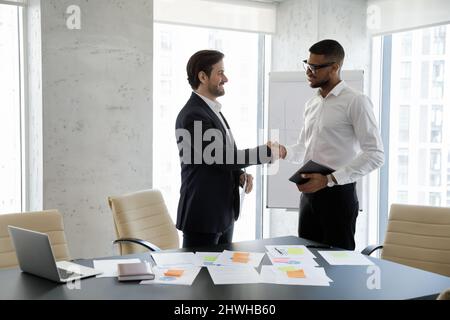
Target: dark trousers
329,216
198,239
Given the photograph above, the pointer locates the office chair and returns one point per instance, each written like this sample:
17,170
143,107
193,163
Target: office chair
417,236
49,222
445,295
141,218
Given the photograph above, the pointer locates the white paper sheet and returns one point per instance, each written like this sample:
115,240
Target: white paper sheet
292,261
167,259
207,258
109,267
186,279
233,275
226,259
290,251
347,258
242,197
278,275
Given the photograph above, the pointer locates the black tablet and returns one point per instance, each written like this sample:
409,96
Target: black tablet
310,167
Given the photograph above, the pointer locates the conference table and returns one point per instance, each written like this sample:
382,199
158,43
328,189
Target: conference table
349,282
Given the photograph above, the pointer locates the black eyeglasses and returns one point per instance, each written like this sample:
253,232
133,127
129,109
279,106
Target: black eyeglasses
314,67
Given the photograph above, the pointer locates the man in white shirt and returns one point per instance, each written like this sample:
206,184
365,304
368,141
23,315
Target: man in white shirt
340,132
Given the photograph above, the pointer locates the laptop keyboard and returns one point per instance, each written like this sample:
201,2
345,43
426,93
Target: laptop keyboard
65,274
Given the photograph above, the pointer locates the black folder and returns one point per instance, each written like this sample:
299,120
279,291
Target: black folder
310,167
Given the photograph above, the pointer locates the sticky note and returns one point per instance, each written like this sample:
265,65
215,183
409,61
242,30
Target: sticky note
174,273
295,251
296,274
287,268
240,259
241,254
209,258
281,260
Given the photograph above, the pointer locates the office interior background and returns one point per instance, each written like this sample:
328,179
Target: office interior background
89,113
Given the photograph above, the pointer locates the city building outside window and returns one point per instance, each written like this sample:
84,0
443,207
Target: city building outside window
419,112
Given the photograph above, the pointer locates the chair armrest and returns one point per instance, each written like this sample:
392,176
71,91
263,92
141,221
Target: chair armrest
371,249
146,244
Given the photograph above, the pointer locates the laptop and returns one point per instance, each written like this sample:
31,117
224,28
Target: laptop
35,256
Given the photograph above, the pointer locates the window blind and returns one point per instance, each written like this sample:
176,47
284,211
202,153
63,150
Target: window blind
14,2
389,16
247,16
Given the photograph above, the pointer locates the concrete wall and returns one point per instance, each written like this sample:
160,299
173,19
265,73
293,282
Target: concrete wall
300,24
97,113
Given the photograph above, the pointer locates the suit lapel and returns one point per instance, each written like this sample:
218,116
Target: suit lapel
202,104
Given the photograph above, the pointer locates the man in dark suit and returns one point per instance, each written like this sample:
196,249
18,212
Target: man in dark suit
211,164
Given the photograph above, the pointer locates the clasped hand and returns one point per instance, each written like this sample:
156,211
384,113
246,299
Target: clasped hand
278,151
249,185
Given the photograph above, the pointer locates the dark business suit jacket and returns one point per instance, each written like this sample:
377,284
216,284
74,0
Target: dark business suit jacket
209,195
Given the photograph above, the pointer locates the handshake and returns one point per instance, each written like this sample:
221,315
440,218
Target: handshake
278,151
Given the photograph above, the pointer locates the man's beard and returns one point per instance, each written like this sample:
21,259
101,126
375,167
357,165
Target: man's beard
320,84
216,91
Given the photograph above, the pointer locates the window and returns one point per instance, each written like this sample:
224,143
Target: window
402,197
166,40
422,163
405,71
11,108
405,80
423,124
438,45
404,124
426,38
403,162
425,82
437,88
418,106
435,199
407,45
436,123
435,160
240,103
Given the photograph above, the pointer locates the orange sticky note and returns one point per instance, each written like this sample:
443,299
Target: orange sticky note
241,254
241,257
174,273
296,274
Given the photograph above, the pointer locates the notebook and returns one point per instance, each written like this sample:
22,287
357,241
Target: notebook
310,167
135,271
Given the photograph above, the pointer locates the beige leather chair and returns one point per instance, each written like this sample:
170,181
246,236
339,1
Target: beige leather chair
49,221
445,295
418,236
142,218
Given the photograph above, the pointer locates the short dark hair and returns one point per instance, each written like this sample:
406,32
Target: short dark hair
202,61
331,49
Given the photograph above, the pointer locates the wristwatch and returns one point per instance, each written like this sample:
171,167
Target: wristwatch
331,182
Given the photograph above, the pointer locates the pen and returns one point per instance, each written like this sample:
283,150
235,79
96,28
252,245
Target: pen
279,251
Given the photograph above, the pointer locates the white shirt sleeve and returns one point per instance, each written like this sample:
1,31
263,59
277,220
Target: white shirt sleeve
371,156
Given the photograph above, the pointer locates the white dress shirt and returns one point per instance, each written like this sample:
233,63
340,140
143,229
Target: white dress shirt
340,131
216,107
